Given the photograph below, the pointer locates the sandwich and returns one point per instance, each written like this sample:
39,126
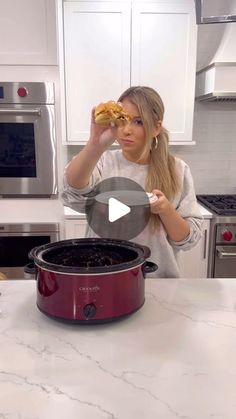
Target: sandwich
111,113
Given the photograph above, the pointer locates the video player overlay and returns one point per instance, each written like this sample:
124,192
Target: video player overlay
117,208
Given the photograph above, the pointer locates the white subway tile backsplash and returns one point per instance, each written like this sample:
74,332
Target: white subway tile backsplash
213,159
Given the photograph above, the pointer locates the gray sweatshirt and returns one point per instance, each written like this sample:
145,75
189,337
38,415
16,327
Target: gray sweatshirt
163,250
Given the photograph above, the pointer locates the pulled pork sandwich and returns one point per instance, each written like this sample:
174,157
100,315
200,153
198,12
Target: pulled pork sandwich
111,113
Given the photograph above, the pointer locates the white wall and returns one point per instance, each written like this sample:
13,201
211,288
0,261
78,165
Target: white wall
213,159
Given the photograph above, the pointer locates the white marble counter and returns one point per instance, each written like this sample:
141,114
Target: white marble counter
205,213
71,214
44,210
173,359
31,210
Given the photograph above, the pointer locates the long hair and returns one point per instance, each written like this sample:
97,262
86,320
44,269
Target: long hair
162,173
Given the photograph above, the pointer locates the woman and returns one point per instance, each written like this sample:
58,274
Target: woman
143,157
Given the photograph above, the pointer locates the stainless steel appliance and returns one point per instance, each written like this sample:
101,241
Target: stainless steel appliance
27,140
214,16
222,239
16,240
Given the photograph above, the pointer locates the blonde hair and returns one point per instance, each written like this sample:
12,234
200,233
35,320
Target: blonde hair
162,173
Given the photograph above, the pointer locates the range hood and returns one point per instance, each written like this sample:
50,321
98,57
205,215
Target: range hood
216,83
215,18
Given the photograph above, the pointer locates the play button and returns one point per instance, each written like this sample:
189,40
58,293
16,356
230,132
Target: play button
116,210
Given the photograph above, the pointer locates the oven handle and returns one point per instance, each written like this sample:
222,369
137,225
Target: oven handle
222,254
20,112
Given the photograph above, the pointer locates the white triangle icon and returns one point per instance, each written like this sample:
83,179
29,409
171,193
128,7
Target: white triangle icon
116,209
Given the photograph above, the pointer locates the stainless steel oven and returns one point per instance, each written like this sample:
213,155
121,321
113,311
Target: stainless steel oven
225,254
16,240
222,238
27,140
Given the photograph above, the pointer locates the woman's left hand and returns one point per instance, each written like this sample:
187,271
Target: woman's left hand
176,227
161,205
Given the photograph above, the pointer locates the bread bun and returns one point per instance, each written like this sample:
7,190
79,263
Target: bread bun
111,113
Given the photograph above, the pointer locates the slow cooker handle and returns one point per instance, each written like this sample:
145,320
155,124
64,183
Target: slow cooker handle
149,267
146,251
31,253
30,268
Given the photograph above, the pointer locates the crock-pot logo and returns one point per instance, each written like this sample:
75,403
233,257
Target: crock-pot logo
96,288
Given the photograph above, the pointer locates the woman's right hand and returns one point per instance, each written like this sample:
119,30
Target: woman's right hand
101,136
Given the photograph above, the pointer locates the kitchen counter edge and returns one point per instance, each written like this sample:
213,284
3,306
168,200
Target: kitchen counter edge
69,213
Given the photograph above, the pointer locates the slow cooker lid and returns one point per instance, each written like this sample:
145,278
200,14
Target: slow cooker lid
90,255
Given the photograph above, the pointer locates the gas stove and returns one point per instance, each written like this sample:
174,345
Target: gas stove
222,239
219,204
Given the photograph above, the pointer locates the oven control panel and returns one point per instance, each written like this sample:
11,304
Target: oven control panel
226,233
26,93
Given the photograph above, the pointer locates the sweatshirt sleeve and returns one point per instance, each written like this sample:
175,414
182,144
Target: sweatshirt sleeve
188,208
77,198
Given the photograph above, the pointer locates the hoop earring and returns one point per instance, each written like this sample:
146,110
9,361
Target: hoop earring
156,142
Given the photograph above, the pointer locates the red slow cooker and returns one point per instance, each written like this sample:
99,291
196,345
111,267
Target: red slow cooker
91,280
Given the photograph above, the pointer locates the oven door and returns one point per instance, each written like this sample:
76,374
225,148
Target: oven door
225,262
27,150
15,247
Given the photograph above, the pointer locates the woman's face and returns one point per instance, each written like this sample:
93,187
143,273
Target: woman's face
132,137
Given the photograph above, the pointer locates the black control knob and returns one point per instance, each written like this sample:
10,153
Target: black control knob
89,310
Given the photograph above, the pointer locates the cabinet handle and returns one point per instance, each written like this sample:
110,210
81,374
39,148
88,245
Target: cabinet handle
205,244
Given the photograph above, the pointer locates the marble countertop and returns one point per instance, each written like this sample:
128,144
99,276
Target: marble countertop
69,213
45,211
173,359
31,210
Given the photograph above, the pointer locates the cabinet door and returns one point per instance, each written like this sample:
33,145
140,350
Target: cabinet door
97,59
75,229
164,57
193,262
28,32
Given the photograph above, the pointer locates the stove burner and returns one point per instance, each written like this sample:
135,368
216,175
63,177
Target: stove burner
219,204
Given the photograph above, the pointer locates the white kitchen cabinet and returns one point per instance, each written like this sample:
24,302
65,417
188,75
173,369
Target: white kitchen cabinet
193,263
97,59
28,32
109,46
75,228
164,57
